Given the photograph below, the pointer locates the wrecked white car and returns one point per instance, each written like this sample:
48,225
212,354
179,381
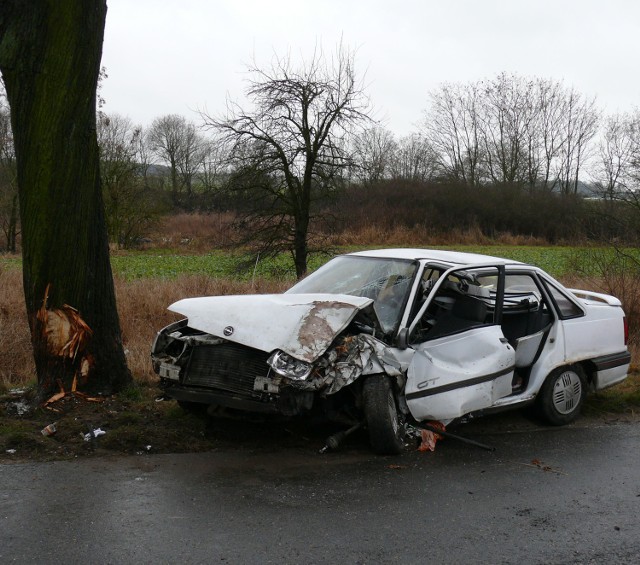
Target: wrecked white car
395,336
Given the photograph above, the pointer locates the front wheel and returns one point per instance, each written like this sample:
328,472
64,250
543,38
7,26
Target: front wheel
561,397
386,425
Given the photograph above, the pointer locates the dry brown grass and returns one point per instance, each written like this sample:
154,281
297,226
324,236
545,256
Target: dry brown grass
418,236
16,359
615,273
200,232
142,306
195,232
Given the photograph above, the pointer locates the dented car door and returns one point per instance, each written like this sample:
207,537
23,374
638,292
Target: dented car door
462,361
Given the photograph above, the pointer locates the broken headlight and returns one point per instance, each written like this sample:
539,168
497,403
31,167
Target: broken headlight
287,366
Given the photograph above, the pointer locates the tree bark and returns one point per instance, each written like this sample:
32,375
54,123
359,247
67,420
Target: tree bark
50,55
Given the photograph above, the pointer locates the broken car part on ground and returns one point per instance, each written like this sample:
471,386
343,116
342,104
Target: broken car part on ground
388,337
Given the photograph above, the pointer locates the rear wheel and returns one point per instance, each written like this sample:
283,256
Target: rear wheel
386,425
561,397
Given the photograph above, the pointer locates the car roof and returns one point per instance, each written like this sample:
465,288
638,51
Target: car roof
443,256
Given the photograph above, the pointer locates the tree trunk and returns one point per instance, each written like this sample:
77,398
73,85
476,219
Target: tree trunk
50,59
300,253
301,229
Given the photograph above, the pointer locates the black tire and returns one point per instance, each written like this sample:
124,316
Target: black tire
561,397
386,425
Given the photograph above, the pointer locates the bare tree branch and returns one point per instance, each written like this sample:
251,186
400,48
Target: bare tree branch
290,150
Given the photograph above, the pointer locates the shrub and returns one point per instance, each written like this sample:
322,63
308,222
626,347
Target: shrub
617,272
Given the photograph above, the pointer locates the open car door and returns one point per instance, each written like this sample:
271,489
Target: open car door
462,361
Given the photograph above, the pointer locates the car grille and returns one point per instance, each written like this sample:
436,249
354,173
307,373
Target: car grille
229,366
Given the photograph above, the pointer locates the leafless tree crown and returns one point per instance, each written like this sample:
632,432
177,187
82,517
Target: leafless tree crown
532,133
294,132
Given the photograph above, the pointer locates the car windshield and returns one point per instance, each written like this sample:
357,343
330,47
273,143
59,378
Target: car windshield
386,281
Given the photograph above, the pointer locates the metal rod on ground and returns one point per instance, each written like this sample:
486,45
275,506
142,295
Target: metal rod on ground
334,441
455,436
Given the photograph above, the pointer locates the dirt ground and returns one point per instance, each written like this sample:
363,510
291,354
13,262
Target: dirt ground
136,422
141,420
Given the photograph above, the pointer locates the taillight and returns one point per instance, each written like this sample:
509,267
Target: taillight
626,330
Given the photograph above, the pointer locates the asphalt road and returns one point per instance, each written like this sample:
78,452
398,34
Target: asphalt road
561,495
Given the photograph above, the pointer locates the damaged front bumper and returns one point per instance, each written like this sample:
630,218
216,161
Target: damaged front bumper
197,367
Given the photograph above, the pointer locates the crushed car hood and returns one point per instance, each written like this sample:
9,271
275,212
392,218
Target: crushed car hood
302,325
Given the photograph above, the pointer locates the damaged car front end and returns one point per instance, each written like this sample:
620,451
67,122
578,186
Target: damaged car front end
304,351
276,354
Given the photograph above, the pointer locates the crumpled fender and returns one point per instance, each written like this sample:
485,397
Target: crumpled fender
353,356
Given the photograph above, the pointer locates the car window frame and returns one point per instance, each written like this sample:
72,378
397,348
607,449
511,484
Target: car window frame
452,269
548,283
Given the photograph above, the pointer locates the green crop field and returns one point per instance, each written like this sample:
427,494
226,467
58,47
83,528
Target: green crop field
558,261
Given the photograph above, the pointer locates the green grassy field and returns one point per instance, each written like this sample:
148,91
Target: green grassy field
133,265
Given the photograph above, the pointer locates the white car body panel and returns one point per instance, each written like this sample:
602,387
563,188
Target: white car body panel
449,363
599,330
456,258
591,297
302,325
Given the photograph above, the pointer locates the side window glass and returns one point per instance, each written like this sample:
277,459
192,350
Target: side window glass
566,307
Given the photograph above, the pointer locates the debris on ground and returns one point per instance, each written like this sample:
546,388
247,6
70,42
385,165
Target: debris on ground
134,424
17,401
134,420
94,434
333,442
537,464
429,437
49,429
73,392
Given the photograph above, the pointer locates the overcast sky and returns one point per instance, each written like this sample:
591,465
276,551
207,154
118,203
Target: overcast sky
178,56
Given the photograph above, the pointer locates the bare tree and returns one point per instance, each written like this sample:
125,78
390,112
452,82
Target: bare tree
215,164
547,135
580,124
413,159
130,206
8,177
291,146
617,154
507,115
617,173
511,130
452,128
372,150
177,143
50,60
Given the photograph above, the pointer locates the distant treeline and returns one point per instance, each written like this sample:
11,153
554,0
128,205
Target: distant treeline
445,211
